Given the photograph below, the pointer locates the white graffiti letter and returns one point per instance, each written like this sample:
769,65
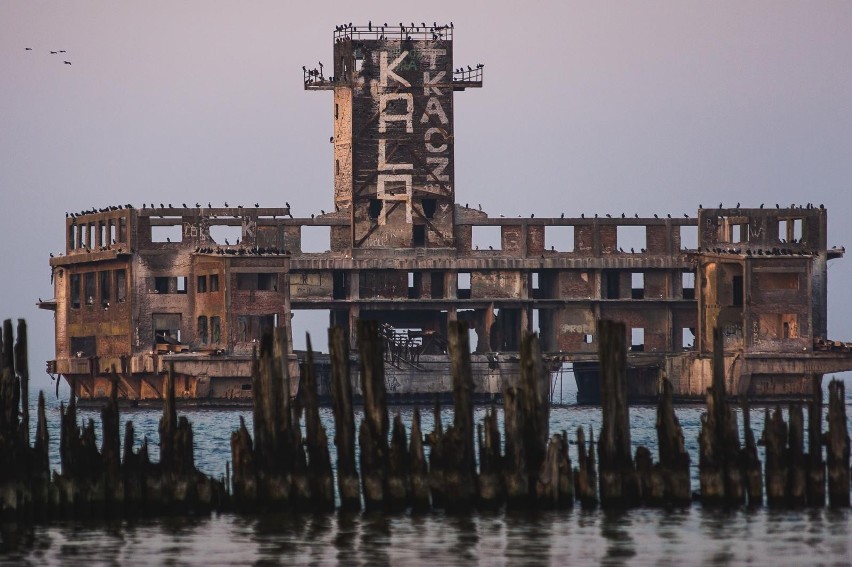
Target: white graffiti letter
384,118
386,71
430,146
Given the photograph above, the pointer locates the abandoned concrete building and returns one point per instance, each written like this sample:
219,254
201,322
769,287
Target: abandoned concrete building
399,249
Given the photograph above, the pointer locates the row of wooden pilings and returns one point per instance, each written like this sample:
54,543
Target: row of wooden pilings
275,468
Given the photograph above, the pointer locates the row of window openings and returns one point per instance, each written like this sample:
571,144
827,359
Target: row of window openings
215,330
789,230
631,239
463,285
104,286
637,339
95,235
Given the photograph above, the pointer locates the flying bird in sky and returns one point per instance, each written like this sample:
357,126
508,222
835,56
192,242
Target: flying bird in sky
67,62
28,49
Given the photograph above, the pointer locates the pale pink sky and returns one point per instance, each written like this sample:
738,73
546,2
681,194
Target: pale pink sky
587,107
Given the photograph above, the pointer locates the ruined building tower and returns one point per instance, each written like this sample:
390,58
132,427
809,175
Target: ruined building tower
393,133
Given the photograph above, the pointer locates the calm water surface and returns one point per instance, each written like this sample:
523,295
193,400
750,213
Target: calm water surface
638,537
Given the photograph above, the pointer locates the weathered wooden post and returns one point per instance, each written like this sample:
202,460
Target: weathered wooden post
417,467
585,477
719,458
460,482
436,458
775,440
348,484
617,477
674,460
796,463
536,407
373,434
837,446
491,490
320,476
554,485
398,476
515,477
22,370
816,463
749,461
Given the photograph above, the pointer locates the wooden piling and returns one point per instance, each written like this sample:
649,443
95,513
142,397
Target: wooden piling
436,458
585,477
491,489
673,458
398,492
348,484
617,477
719,446
418,469
749,461
816,463
460,480
373,434
775,440
796,463
837,446
320,475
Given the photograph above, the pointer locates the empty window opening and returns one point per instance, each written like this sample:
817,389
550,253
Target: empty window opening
637,339
102,234
463,285
314,322
486,237
535,321
267,281
202,329
737,291
468,316
215,329
588,339
83,347
316,239
120,286
89,282
112,233
106,291
166,328
688,237
687,280
534,281
165,284
170,233
181,285
250,328
559,238
418,235
359,60
245,387
90,235
336,111
611,285
201,284
226,235
628,237
375,209
214,282
340,285
797,230
337,167
429,207
739,233
437,285
687,338
75,291
637,285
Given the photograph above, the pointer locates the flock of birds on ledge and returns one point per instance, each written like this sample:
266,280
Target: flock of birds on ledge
437,31
110,208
